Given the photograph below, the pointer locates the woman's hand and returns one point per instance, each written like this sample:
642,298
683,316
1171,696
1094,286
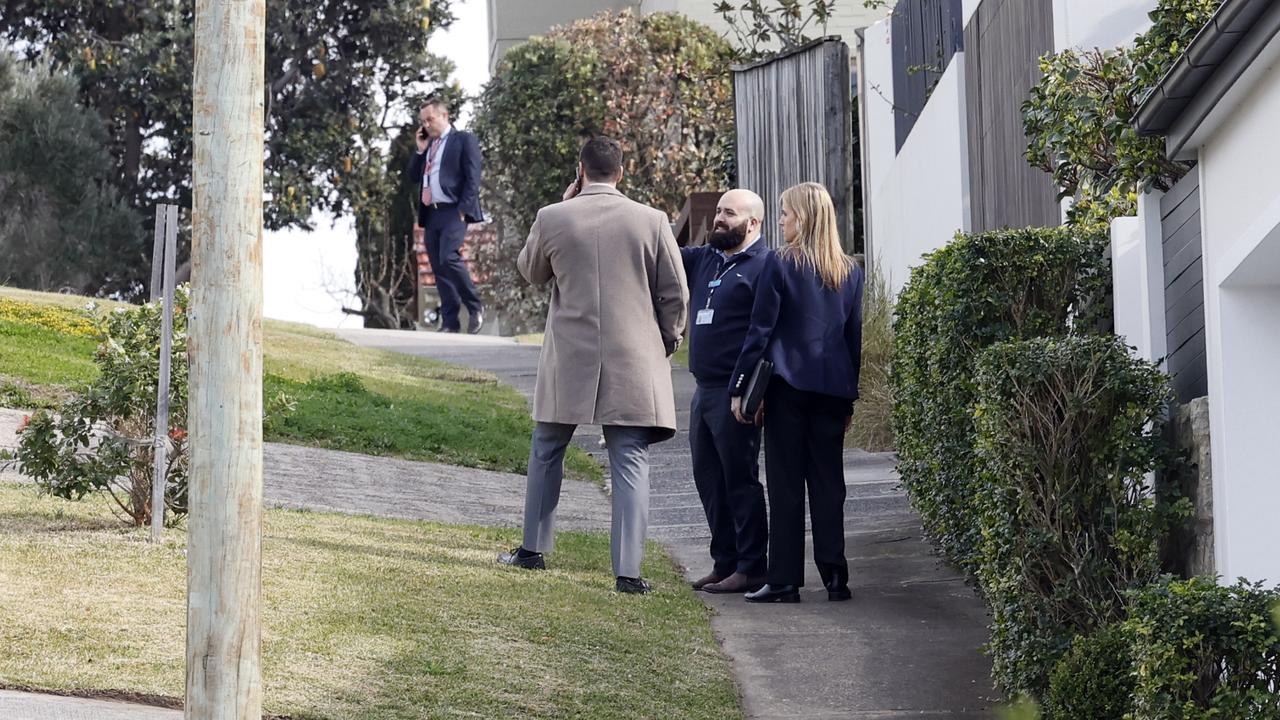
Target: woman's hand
735,406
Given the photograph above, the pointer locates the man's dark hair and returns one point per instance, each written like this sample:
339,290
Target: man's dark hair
438,103
601,157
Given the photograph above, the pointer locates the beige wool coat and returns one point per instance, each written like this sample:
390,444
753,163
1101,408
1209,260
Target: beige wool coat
618,309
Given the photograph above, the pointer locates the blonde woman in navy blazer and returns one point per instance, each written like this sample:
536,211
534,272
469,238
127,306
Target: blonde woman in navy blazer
806,320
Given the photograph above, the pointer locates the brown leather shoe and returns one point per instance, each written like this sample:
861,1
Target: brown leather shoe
735,583
706,580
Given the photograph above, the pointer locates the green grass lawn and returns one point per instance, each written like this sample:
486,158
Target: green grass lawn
362,618
337,395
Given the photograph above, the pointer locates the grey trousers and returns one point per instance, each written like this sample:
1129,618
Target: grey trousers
629,464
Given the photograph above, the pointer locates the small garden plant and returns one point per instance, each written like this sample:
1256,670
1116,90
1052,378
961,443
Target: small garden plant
101,439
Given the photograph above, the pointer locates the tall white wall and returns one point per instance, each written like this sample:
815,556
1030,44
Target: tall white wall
877,102
922,199
1137,279
1086,24
1240,214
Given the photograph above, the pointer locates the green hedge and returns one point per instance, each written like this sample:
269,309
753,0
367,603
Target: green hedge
1202,651
979,290
1068,429
1094,679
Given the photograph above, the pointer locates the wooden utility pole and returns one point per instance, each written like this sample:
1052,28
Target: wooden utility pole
224,546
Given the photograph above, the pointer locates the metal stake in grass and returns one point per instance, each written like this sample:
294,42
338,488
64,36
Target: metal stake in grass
166,249
224,547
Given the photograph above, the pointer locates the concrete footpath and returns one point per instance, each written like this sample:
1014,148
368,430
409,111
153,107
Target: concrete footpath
906,646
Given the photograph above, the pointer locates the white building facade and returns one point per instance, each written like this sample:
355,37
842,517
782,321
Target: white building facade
1219,108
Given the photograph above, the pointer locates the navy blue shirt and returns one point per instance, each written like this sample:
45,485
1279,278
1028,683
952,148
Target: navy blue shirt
714,346
812,334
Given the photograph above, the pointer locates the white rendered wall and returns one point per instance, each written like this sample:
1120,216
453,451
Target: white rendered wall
1086,24
1137,279
1240,213
877,102
922,199
1127,285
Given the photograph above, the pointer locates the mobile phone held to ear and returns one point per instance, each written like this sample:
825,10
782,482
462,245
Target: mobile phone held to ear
577,177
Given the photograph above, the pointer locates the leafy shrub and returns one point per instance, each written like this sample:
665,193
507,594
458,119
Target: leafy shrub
1067,431
1079,117
658,83
979,290
1094,679
101,438
1204,651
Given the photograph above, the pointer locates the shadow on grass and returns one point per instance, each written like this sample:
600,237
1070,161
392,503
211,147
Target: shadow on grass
42,522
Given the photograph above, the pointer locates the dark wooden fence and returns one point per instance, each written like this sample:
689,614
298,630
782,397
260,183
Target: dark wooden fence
926,34
1003,44
1184,288
795,124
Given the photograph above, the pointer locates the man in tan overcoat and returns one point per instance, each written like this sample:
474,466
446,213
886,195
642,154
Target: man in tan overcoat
618,307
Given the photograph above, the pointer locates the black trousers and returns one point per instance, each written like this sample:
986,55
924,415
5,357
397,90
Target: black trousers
726,471
804,448
443,236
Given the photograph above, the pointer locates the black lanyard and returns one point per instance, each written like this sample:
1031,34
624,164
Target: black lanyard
717,280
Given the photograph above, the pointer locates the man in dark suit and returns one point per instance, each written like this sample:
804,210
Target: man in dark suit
726,454
446,172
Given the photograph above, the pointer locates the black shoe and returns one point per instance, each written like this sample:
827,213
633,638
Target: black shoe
837,584
523,559
448,330
775,594
475,322
632,585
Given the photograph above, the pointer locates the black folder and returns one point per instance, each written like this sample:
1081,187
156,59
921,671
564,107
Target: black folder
754,394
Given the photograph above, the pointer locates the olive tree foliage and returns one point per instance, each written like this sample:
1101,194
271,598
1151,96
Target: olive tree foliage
342,77
64,225
659,84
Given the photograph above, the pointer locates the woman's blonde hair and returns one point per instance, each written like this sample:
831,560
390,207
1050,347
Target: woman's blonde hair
817,242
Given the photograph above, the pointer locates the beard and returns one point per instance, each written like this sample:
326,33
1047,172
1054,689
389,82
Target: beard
726,238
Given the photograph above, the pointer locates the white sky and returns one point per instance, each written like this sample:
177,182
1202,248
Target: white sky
306,274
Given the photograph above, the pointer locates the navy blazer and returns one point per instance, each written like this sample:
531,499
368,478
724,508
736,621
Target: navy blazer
812,334
714,348
459,175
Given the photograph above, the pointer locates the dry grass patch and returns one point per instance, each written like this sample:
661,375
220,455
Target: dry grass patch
363,618
872,427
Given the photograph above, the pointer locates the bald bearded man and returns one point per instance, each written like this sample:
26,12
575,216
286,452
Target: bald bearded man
722,285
